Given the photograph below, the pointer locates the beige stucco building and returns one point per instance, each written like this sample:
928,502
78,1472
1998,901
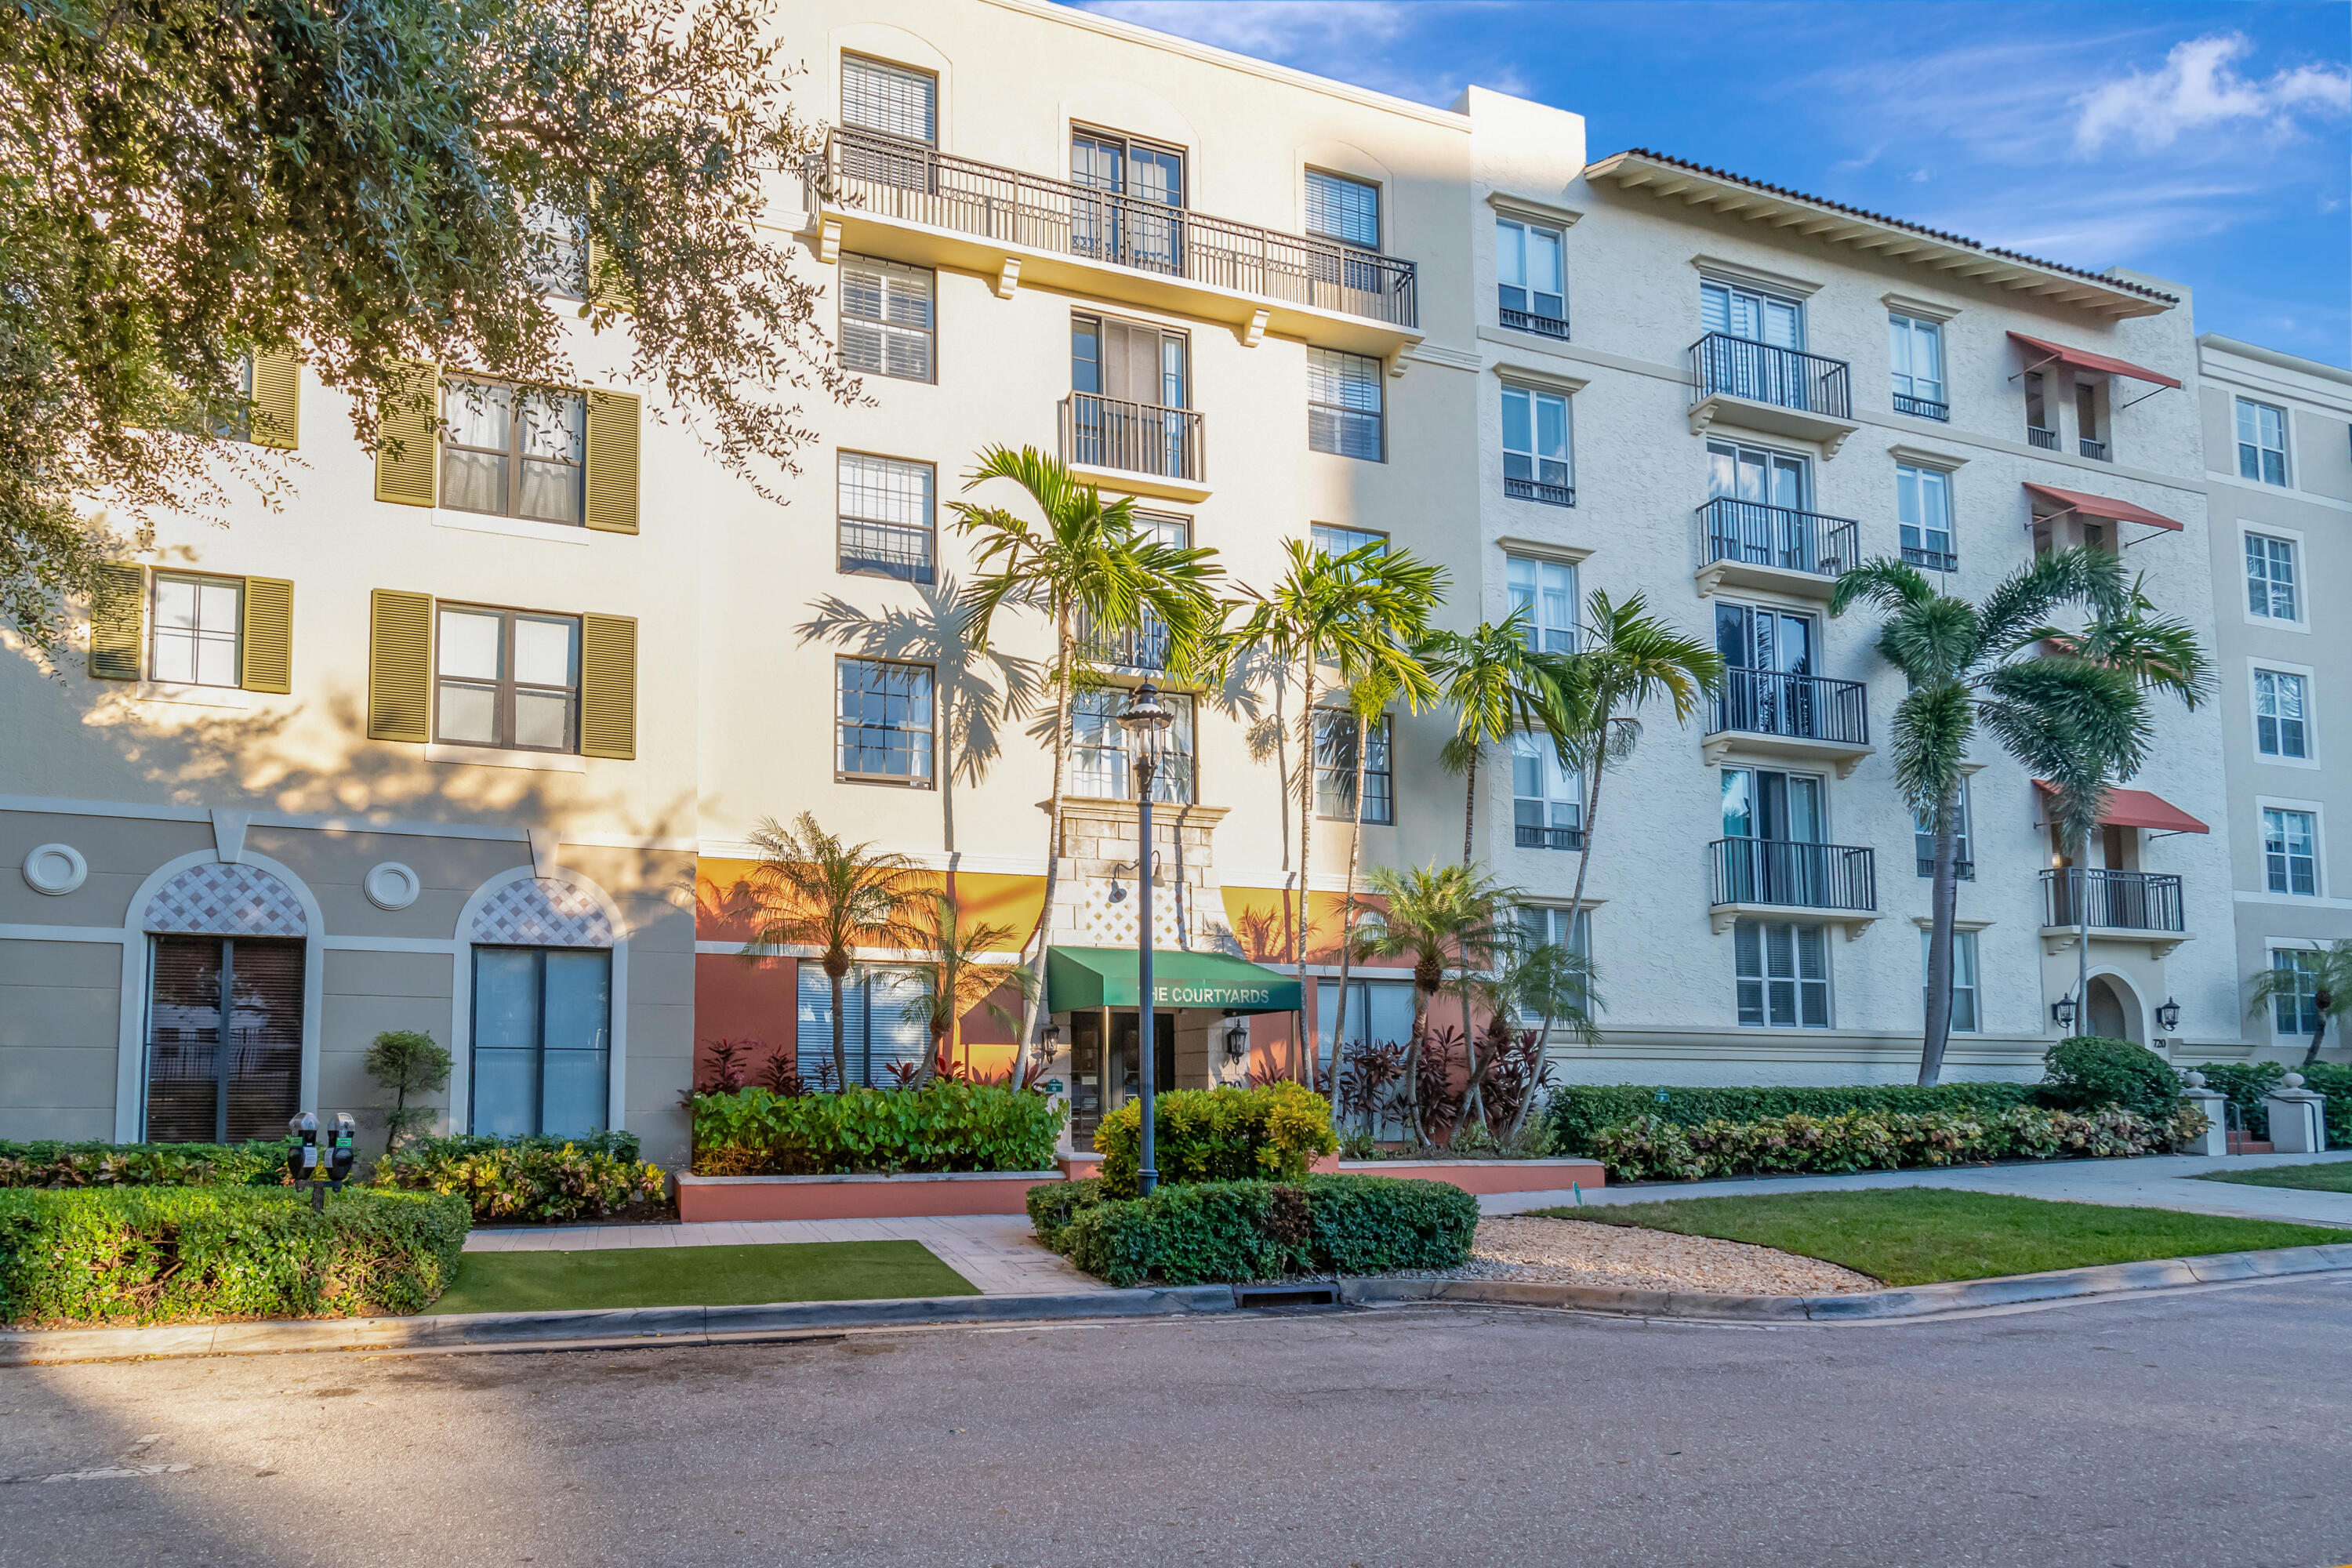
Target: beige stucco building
489,768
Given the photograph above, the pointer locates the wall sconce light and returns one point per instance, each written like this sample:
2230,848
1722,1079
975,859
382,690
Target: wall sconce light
1050,1035
2062,1011
2167,1017
1236,1038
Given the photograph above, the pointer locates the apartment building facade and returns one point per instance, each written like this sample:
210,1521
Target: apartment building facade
490,766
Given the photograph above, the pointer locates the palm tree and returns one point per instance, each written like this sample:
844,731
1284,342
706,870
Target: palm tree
810,890
1368,700
1554,981
1363,611
2072,720
956,977
1086,561
1437,916
2325,974
1496,685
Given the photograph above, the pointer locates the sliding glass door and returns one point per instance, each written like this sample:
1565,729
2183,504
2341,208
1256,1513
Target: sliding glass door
542,1040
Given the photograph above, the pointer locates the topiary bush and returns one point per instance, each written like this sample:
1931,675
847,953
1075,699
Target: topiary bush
1653,1149
544,1179
92,1164
946,1125
1218,1135
1579,1110
1201,1233
180,1255
2086,1072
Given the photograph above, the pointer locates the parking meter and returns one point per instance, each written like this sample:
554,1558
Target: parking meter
342,1150
302,1160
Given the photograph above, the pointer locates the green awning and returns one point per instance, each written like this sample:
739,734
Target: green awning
1080,978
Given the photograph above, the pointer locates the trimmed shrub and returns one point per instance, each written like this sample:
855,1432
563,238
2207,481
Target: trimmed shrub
57,1165
1653,1149
546,1179
1218,1135
1579,1110
1201,1233
2086,1072
1053,1205
946,1125
179,1255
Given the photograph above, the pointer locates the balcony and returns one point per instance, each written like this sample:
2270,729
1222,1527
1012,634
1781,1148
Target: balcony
1772,878
911,202
1922,407
1759,386
1963,871
1750,545
1520,489
1929,559
1139,447
1532,836
2094,450
1142,647
1801,718
2126,905
2035,436
1541,325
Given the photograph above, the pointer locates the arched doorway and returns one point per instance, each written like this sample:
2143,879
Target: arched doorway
2114,1010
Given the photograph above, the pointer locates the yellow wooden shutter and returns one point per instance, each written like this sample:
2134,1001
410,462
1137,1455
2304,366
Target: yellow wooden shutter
608,686
276,401
612,506
407,452
606,284
118,623
269,635
400,666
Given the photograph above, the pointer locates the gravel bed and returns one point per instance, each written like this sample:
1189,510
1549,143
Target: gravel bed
1580,1252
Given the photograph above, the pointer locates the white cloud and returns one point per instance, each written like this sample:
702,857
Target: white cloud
2198,89
1366,43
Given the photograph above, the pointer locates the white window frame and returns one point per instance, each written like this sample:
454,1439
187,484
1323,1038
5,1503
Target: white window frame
1765,979
1527,228
2239,444
2263,805
1578,936
197,634
1966,960
1764,296
2272,948
1337,539
1539,631
1964,851
1307,207
901,285
2255,669
1919,473
1534,459
1098,749
1335,366
2294,538
1912,328
1533,751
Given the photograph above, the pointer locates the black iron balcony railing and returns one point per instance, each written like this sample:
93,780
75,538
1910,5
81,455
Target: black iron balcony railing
915,184
1533,322
1803,707
1798,876
1929,559
1759,535
2035,436
2118,900
1143,647
1922,407
2092,450
1139,437
888,549
1965,870
1723,365
1531,835
1535,489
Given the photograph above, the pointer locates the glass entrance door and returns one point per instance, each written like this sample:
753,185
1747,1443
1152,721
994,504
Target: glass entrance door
1776,815
1135,223
1769,527
1103,1071
1770,658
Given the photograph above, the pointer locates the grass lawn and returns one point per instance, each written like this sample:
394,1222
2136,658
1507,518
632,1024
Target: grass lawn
1916,1235
698,1276
2333,1177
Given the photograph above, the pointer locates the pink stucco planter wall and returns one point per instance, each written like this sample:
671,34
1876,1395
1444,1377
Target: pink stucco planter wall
1487,1175
705,1198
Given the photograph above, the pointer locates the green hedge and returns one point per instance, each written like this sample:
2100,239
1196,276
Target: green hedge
176,1254
546,1179
2090,1072
2246,1082
1579,1111
1200,1233
59,1164
1651,1149
1218,1135
943,1126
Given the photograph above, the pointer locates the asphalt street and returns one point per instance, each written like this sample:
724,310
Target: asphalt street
2201,1428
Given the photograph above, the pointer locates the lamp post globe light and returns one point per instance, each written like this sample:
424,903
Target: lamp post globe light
1146,720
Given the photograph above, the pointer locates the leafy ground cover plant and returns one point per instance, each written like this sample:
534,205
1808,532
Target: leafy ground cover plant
946,1125
1276,1129
1650,1149
61,1164
545,1179
1200,1233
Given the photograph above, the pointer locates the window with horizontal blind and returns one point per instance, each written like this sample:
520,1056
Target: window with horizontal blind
893,99
1343,209
1783,974
887,527
542,1046
1343,405
875,1028
223,1038
887,318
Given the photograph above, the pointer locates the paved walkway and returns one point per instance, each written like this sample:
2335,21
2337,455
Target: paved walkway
998,1253
2159,1181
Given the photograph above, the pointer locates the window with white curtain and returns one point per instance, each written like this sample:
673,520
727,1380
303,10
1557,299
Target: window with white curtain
2281,726
1530,278
1547,799
1101,766
1915,350
1547,591
1535,464
1922,509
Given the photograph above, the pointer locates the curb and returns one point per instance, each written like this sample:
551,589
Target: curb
1913,1302
630,1326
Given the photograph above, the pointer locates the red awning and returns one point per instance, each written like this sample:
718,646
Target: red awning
2100,506
2082,359
2138,808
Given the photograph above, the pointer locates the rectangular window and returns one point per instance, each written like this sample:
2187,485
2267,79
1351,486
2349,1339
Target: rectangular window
1543,924
875,1032
199,622
1964,978
1915,350
2262,442
1923,841
2280,727
1146,645
511,453
1343,405
1547,799
1332,540
1744,313
1101,766
1335,769
884,720
1343,209
558,250
887,526
1379,1011
1546,590
2271,578
1923,506
542,1041
223,1038
508,678
2038,431
1529,278
1535,447
1783,973
2290,851
2297,1012
886,318
889,99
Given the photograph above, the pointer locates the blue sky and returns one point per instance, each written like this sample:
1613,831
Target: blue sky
2206,143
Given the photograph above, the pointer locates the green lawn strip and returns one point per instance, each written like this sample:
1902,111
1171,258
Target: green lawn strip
698,1276
1917,1236
2333,1177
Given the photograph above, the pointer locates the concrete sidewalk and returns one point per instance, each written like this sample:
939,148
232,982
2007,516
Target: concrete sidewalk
2154,1181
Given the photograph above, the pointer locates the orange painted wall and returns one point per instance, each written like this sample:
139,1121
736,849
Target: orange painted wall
721,886
737,1001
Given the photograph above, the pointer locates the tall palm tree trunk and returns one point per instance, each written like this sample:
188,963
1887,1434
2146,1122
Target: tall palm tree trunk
1473,1102
1469,802
1063,651
836,965
2082,933
1306,853
1943,900
1416,1125
1591,817
2317,1034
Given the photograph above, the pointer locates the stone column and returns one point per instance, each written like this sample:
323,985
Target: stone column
2215,1138
2298,1117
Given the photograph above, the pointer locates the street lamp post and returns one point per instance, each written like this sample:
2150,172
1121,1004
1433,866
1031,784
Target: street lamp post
1146,720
